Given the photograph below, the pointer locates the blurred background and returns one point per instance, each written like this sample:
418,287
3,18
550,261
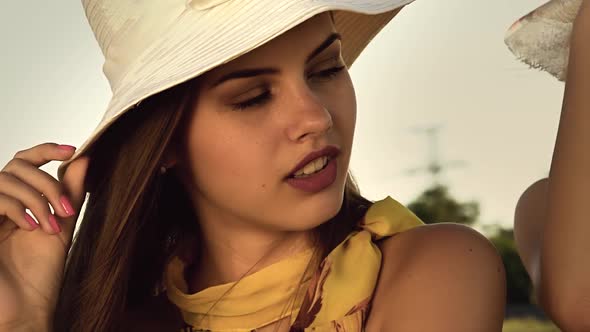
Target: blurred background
449,122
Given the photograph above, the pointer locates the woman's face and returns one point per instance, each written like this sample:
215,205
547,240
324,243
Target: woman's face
257,117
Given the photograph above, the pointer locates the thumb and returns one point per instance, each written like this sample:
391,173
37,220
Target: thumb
73,185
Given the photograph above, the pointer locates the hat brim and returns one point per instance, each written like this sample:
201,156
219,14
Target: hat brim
180,54
541,38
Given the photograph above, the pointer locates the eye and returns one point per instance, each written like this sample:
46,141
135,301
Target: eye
328,74
256,101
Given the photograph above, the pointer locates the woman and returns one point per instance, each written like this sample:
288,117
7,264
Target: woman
551,227
222,201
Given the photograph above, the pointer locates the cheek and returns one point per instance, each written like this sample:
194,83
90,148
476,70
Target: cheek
214,152
345,118
225,156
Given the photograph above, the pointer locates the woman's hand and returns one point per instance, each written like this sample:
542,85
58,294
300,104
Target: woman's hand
32,257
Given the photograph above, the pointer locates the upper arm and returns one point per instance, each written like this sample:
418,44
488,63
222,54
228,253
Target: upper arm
442,277
529,220
554,255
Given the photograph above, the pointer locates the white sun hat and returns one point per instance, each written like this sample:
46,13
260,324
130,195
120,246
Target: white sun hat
152,45
542,38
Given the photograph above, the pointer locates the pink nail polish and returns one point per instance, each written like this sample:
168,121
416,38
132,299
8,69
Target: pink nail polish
65,203
31,221
65,147
54,224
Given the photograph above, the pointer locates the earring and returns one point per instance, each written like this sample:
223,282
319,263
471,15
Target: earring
163,170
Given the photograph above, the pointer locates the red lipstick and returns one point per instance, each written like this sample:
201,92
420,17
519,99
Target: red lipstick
322,179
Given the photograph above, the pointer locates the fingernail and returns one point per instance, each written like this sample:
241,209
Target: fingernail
31,221
67,148
66,205
54,223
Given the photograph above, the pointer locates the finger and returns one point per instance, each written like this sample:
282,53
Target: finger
41,154
43,183
31,199
14,211
73,186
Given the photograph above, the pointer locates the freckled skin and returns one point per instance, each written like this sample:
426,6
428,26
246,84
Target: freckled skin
263,144
235,162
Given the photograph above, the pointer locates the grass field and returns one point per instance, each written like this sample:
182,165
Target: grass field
528,325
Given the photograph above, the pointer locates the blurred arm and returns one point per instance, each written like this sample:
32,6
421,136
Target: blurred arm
562,272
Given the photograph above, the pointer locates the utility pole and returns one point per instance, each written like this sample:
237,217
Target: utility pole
434,166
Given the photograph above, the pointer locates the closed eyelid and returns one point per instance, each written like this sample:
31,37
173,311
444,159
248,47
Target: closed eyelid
332,39
242,89
256,84
336,58
253,92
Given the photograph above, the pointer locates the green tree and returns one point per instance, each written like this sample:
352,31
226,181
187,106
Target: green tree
436,205
518,283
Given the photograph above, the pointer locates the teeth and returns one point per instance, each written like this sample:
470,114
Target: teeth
309,168
319,163
312,167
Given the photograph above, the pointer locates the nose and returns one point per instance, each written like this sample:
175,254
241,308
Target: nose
309,118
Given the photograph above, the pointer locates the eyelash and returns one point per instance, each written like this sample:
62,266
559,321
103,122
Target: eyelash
264,97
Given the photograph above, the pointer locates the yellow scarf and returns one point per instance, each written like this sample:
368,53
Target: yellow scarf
338,293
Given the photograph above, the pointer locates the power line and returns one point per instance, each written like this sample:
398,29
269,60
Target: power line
434,166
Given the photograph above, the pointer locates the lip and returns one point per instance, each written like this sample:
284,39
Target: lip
317,182
330,151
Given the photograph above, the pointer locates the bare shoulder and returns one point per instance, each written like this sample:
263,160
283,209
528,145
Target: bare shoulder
443,277
530,206
529,220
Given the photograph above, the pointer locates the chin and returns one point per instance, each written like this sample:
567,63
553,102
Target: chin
317,209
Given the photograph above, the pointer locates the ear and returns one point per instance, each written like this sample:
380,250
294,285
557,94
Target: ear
170,158
169,162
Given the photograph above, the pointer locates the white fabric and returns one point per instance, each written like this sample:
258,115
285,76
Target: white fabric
541,39
152,45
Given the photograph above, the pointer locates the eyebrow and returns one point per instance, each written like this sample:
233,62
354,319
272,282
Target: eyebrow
324,45
261,71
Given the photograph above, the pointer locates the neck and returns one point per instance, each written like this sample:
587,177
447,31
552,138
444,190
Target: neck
231,251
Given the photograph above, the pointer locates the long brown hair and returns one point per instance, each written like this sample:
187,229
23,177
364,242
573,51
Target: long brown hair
137,219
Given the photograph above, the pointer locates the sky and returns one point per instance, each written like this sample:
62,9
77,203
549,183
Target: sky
437,64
